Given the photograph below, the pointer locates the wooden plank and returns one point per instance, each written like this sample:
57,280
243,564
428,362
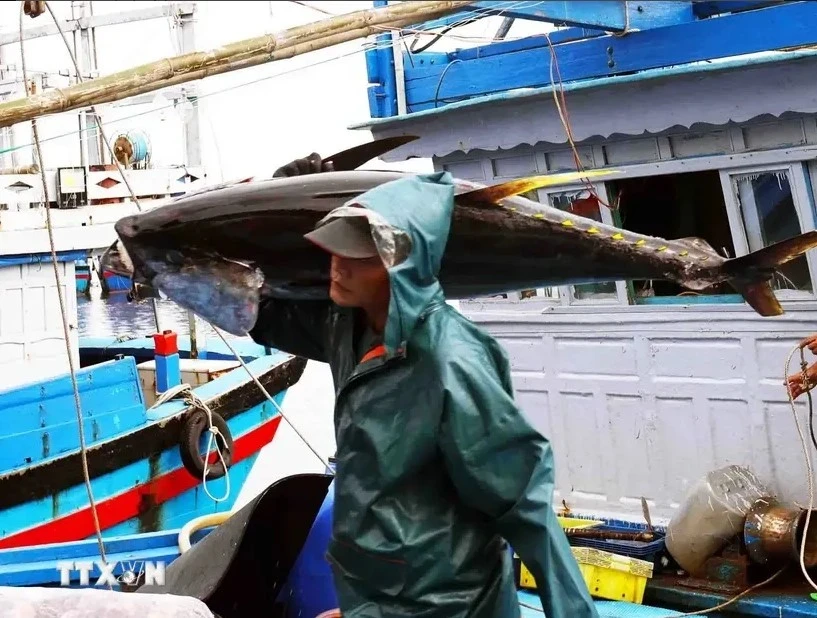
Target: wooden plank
776,27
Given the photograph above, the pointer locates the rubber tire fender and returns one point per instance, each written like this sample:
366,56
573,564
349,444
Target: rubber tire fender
195,426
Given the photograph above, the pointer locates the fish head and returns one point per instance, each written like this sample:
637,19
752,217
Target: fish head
223,292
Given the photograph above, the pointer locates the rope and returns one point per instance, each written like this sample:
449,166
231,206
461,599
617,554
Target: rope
269,397
67,336
185,391
101,132
806,454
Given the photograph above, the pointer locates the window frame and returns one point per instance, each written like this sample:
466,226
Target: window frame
803,207
567,296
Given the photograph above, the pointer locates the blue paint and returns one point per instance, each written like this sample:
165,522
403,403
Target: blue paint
139,141
708,9
594,14
42,258
577,86
168,372
607,15
35,565
380,64
105,383
41,418
310,588
712,299
82,275
763,604
222,383
142,348
116,283
775,27
188,505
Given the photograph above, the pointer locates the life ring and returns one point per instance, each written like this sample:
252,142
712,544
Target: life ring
194,428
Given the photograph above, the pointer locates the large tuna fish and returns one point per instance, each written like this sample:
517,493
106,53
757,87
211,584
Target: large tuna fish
218,251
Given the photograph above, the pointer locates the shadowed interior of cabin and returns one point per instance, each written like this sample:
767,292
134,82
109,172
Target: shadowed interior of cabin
675,206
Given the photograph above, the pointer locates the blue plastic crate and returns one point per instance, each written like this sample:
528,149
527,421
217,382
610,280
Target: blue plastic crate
649,551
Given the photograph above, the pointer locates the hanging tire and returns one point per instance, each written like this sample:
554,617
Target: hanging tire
196,425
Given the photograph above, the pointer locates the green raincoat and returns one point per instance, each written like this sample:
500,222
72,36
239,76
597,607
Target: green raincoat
437,468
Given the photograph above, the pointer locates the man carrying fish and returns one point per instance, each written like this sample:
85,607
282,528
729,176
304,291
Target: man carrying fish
437,467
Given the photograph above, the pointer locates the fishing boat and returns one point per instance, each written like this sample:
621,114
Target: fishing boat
144,454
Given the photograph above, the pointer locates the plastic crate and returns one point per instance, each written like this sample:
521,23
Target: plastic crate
607,575
578,522
645,550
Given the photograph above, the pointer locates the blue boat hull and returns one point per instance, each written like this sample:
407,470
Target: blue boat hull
140,482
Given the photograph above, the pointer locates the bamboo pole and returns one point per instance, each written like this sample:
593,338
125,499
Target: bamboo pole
232,57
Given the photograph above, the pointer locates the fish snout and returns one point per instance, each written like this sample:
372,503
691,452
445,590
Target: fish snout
127,227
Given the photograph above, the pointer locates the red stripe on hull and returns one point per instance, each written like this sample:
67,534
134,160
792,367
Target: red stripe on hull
130,504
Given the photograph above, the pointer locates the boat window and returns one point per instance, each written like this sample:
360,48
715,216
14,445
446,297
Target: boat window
584,204
675,206
768,213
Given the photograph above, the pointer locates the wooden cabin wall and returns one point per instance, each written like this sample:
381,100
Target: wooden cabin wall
642,395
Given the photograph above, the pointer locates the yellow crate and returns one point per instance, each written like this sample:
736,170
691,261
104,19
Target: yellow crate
576,522
607,575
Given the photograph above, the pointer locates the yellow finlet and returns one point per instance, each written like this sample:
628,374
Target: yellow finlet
618,236
593,230
567,223
496,193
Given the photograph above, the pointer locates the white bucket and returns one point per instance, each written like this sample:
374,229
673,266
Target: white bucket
712,514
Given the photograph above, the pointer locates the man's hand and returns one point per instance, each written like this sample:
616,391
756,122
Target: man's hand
810,343
795,381
313,164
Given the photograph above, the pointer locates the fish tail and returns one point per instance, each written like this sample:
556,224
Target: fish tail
750,274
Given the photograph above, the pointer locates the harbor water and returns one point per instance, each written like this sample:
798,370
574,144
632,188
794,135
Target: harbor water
115,316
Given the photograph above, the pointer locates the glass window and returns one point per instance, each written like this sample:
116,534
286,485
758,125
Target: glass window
769,215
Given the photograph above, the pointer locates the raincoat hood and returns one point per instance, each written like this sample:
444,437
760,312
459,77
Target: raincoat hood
410,220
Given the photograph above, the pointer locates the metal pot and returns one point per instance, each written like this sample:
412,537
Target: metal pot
773,533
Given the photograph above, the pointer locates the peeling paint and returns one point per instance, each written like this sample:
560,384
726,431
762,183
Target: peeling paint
150,513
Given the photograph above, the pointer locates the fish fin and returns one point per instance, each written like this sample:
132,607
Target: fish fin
750,274
760,296
774,255
496,193
354,157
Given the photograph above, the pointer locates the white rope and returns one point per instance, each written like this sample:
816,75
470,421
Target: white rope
806,455
269,397
66,334
185,391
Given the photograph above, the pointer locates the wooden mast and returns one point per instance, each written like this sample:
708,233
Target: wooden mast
231,57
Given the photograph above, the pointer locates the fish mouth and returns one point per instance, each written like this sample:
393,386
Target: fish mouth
221,291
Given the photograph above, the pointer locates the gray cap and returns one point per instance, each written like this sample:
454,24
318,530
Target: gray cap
346,236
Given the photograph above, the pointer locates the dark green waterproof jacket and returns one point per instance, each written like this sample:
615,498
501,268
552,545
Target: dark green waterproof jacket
436,465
